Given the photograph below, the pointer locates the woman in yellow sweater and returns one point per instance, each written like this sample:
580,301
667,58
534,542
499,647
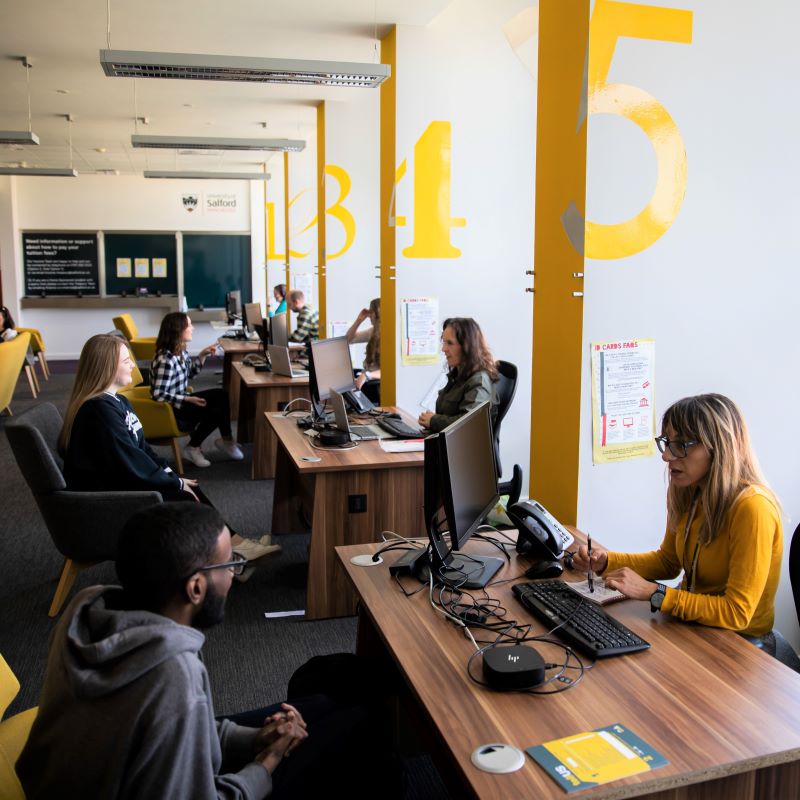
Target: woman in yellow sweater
724,527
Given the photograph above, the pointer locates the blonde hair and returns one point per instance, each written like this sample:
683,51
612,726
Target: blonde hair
716,422
97,369
373,354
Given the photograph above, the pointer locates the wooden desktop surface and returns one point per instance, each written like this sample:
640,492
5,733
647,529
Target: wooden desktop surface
234,350
260,393
724,714
349,496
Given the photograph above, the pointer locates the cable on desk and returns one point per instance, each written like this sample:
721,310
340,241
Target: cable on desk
286,411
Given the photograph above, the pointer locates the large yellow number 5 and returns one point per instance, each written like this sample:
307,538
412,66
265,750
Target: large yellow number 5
610,20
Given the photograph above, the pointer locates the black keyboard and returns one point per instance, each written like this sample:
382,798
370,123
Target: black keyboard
583,624
399,429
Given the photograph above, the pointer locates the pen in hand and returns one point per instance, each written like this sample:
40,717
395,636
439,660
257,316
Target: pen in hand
589,575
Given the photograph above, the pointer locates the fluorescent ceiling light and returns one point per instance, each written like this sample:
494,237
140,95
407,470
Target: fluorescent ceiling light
193,66
229,176
55,173
18,137
215,143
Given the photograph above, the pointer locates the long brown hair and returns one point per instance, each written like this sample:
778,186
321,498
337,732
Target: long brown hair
716,422
373,354
97,369
475,353
171,331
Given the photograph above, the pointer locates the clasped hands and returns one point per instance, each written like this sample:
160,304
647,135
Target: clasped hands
624,579
282,732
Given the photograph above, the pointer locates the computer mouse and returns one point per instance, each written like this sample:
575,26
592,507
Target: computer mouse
392,415
545,569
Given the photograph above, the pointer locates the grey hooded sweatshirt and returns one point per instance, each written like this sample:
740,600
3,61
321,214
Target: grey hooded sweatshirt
126,712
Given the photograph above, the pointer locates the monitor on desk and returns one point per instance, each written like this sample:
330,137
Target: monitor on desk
280,333
233,306
252,317
329,367
460,490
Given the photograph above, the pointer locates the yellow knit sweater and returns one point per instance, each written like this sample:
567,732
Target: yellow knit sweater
737,573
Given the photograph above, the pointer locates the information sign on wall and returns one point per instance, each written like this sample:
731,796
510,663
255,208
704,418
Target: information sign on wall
60,263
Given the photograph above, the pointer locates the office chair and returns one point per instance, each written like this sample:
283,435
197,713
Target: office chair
84,526
14,733
144,347
506,388
794,569
38,348
12,362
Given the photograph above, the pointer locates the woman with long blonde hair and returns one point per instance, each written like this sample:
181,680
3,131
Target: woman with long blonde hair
724,528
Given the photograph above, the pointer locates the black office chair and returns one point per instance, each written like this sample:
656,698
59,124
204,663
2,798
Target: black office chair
506,388
794,569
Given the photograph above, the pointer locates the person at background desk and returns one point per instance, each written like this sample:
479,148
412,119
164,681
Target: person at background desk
471,374
7,327
279,293
369,378
307,318
724,528
201,412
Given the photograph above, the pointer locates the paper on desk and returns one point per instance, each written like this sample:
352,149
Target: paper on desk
402,445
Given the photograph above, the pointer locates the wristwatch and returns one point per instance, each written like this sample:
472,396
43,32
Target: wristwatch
657,598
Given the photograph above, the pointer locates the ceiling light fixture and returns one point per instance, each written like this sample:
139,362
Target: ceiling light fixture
194,175
215,143
43,172
22,137
204,67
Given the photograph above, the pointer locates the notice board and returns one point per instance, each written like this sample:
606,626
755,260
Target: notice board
214,264
60,263
141,261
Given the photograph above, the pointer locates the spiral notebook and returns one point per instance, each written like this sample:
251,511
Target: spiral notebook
601,595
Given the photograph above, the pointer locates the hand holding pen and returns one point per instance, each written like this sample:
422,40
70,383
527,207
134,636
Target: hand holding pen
586,560
589,574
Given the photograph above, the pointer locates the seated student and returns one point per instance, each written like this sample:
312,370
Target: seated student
724,528
7,327
369,379
279,293
200,412
471,374
103,442
307,319
126,710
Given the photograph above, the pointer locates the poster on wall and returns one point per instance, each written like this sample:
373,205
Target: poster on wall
304,282
123,268
60,263
419,320
159,267
141,267
623,400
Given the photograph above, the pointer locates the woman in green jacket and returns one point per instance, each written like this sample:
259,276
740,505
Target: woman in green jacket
471,374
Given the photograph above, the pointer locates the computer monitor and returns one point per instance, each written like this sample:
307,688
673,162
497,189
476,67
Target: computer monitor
233,306
280,333
460,489
252,316
329,367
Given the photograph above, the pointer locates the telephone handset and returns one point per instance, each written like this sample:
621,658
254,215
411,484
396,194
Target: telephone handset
540,533
358,401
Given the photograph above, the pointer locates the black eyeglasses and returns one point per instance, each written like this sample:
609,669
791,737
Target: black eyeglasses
236,566
678,449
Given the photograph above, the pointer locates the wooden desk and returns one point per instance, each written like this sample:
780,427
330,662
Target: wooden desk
259,393
233,351
724,714
350,496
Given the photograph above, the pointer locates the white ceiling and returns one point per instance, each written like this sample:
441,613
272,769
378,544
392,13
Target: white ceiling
62,38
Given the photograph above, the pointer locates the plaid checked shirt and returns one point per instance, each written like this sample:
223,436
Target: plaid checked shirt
170,375
307,325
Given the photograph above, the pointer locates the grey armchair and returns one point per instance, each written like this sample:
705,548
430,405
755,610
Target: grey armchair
84,526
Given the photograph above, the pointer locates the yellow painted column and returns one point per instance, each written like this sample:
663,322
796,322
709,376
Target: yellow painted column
287,263
558,263
267,289
388,135
322,269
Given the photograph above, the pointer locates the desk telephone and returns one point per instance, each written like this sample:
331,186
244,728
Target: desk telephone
540,534
358,401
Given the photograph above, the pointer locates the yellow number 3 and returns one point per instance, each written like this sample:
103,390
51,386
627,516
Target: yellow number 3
610,20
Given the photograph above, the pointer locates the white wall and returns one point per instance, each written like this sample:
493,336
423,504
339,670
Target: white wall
462,69
718,291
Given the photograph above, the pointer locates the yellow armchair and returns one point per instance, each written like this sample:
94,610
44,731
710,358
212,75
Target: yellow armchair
144,347
158,419
14,733
12,362
38,348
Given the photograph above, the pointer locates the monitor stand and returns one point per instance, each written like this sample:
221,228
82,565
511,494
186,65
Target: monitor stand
469,572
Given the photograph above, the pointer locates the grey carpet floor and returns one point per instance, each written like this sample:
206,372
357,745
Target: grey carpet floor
249,657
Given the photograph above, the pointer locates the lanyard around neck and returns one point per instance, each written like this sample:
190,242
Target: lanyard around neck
691,573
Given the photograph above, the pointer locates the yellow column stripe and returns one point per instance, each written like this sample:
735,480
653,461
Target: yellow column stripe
387,182
322,281
557,313
267,292
286,232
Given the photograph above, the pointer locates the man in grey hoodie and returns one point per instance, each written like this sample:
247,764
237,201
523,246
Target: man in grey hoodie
126,708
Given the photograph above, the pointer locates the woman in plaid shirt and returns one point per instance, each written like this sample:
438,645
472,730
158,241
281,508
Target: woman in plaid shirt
200,412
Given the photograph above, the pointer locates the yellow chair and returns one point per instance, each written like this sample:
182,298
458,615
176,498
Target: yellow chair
158,419
37,345
144,347
12,362
14,733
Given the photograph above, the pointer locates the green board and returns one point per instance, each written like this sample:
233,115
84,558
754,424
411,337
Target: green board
130,246
214,264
